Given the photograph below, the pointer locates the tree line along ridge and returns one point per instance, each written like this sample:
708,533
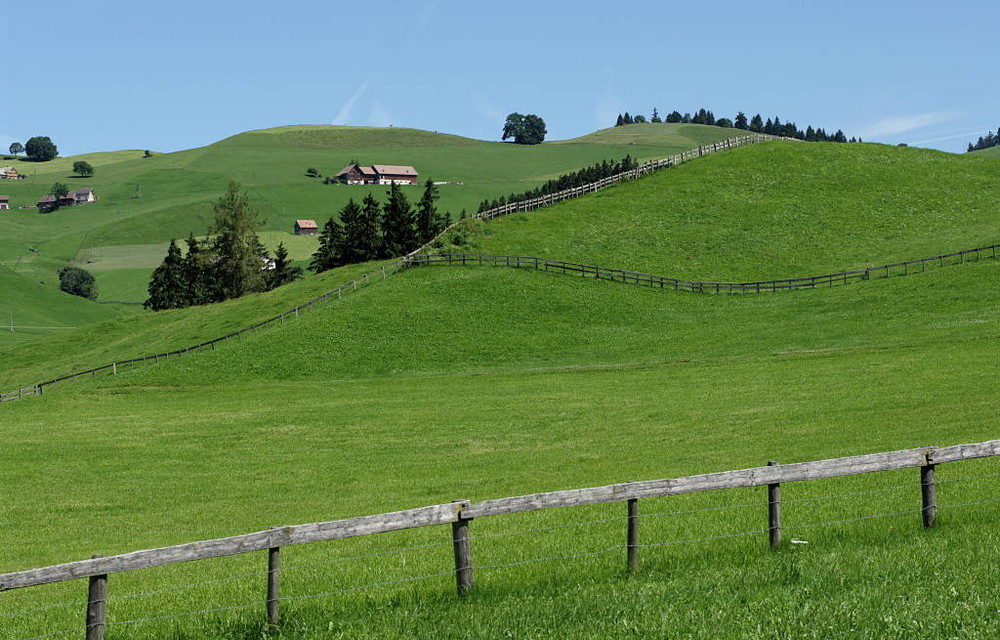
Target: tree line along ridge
755,124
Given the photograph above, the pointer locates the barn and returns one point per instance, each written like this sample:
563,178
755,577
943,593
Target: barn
306,228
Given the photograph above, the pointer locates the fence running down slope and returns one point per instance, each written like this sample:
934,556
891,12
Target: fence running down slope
459,515
394,267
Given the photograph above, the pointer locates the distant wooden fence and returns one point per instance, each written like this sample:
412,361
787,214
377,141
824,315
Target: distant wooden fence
528,205
632,174
663,282
460,513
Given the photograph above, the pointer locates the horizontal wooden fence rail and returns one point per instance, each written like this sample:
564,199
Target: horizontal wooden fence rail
396,265
663,282
460,514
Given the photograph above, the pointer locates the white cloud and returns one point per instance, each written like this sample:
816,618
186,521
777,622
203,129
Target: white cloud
344,115
903,124
968,135
379,117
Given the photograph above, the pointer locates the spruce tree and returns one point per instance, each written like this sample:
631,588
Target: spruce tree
428,220
656,116
741,121
283,272
236,245
197,274
620,121
399,232
329,254
757,124
167,288
350,221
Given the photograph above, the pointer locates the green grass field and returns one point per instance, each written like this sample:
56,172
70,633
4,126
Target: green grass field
446,383
177,189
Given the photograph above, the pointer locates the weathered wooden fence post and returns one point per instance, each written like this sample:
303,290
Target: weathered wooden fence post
464,579
774,510
928,492
273,586
633,535
97,605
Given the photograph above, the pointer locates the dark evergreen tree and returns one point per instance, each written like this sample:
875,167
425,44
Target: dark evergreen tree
627,119
675,117
428,221
741,121
167,287
283,272
620,121
329,254
757,124
399,232
196,271
367,244
351,224
656,116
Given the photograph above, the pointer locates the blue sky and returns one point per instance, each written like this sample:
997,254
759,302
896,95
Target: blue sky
168,76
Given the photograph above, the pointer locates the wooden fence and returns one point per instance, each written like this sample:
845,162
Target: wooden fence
663,282
632,174
459,514
528,205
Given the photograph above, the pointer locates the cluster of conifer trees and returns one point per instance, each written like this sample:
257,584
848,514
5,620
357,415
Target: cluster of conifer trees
985,142
230,265
373,231
756,124
587,175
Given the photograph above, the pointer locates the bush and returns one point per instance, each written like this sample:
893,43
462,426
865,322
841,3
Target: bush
77,282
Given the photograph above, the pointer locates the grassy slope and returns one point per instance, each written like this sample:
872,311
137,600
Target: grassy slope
446,383
178,188
772,211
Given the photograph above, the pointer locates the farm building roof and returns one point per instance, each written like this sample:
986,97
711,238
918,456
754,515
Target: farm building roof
396,170
307,224
368,171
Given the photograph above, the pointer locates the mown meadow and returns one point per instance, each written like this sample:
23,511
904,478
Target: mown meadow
445,383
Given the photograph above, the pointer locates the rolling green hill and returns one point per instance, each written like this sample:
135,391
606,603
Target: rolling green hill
177,189
480,382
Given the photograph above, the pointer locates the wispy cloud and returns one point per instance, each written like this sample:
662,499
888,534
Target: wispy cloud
968,135
904,124
344,115
379,117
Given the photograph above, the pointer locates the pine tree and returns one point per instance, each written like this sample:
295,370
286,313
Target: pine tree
620,121
428,220
399,232
741,121
627,119
284,272
329,254
167,289
350,223
197,274
367,244
656,116
236,245
757,124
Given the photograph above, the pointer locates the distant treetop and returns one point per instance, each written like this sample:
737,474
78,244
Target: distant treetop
756,124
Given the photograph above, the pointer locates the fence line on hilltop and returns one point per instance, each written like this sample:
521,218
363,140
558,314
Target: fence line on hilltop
398,264
654,281
458,516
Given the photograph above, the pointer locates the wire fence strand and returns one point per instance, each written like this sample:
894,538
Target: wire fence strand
376,554
13,614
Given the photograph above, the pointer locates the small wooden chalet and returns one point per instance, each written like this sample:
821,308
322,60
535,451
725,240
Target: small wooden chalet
4,202
378,174
83,196
395,174
48,202
306,228
9,173
356,174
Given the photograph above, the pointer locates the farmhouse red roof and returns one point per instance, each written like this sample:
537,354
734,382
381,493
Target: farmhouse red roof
367,171
307,224
395,170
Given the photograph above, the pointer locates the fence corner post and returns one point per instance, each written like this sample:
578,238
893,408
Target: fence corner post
464,579
633,535
928,493
97,605
774,510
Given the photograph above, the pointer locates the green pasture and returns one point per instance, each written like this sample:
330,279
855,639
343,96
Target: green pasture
177,189
445,383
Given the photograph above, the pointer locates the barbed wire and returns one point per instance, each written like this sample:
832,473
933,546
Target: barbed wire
518,563
968,504
13,614
703,510
186,614
387,583
967,478
56,633
507,534
375,554
852,494
192,585
723,536
848,520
